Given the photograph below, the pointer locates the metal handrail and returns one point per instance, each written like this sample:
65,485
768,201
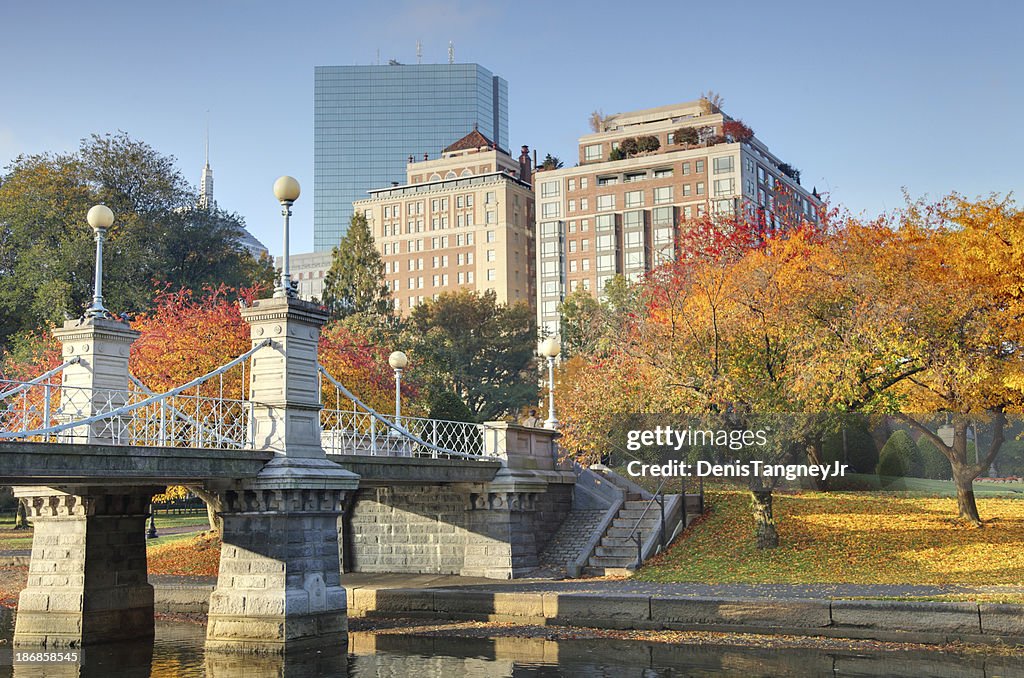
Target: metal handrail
142,403
42,377
401,430
174,410
661,503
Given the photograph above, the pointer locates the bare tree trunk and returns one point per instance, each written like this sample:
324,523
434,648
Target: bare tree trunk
814,457
212,502
963,477
764,523
21,517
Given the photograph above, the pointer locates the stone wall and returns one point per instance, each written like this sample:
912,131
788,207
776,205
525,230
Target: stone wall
452,529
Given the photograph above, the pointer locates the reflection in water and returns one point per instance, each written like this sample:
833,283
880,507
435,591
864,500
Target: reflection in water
178,651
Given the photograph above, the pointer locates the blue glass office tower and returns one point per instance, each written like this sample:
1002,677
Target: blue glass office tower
368,120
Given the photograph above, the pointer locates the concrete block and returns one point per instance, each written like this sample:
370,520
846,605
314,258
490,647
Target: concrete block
884,615
581,608
754,612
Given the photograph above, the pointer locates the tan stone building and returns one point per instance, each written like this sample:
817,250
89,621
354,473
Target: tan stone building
618,210
461,221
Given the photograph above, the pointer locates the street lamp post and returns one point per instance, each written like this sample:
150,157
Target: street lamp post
286,190
100,218
398,362
550,348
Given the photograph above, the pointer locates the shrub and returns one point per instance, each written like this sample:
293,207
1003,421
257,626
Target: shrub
647,143
934,464
449,406
686,135
617,154
900,457
629,146
736,130
861,451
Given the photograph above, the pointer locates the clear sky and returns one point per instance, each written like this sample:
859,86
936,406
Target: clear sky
865,98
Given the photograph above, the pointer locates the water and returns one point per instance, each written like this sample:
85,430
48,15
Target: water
178,651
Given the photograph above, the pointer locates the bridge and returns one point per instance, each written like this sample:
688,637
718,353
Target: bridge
305,479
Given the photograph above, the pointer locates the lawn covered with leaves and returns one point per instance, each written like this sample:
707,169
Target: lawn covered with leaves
188,554
849,537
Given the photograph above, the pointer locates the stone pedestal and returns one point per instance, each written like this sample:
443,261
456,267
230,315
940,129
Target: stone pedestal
279,584
87,578
98,382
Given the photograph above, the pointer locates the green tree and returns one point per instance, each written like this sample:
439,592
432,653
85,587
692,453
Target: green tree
355,281
480,350
551,162
900,457
47,249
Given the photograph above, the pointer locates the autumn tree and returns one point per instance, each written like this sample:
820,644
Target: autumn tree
966,257
355,281
550,162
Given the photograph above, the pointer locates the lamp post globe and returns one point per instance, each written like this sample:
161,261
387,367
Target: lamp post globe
398,362
286,190
100,218
551,347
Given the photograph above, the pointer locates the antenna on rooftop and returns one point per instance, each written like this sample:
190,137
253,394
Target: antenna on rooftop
419,52
451,52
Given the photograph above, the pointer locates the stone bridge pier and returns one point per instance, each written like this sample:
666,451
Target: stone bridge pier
279,584
87,578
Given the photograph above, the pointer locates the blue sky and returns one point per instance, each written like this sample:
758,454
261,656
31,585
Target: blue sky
865,98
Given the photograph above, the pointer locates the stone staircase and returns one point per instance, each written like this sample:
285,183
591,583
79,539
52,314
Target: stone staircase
617,550
572,536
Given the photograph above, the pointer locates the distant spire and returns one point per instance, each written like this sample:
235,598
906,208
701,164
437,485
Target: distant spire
419,52
206,184
451,52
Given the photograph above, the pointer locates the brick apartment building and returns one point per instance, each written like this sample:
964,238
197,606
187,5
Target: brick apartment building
461,221
617,212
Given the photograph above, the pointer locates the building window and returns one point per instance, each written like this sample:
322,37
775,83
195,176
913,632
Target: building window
662,236
634,239
662,173
585,244
607,181
492,217
634,259
469,277
663,195
760,174
549,189
491,274
572,266
490,198
492,257
572,245
760,197
584,204
605,222
724,186
634,219
634,199
723,165
606,262
572,184
686,168
490,236
687,189
550,210
592,152
572,205
700,188
548,229
723,206
584,182
605,243
662,216
605,203
688,212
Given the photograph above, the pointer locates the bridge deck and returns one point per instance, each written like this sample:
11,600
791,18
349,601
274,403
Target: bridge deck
382,471
71,464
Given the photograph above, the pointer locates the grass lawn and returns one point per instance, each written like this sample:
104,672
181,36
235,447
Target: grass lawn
849,537
184,554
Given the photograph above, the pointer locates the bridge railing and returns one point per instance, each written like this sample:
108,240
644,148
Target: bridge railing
350,426
48,412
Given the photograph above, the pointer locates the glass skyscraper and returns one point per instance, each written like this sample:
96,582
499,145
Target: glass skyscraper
368,120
